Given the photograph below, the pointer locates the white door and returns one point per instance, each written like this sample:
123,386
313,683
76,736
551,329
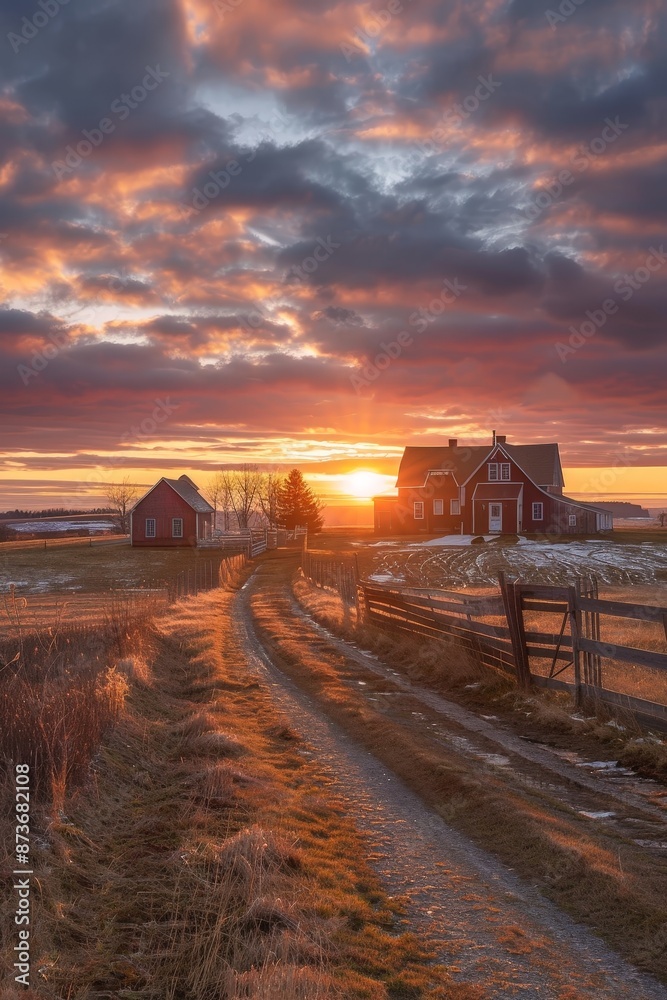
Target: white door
495,517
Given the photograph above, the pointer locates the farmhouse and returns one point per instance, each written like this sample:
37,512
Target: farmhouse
501,488
172,513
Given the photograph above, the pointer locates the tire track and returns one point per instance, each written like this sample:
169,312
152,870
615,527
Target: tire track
487,926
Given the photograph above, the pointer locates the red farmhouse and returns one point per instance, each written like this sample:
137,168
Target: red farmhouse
173,512
501,488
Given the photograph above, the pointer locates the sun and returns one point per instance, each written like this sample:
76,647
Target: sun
364,484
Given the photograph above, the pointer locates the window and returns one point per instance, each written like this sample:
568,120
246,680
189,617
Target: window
418,510
454,506
150,527
438,507
572,520
538,511
177,527
499,471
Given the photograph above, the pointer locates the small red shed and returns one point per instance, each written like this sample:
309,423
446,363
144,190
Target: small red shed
172,513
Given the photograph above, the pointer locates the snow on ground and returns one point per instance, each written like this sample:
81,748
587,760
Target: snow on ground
447,564
451,540
385,578
40,525
54,581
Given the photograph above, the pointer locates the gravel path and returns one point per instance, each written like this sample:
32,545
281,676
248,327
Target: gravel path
611,787
487,926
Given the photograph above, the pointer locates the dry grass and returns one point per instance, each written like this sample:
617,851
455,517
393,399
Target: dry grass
444,665
61,690
544,715
184,871
578,867
56,725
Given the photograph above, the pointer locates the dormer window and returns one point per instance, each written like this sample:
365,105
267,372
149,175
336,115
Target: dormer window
499,472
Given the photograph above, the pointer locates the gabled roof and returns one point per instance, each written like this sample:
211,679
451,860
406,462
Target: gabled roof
540,462
187,490
417,462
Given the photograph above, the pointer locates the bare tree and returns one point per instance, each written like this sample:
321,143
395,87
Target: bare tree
218,494
121,497
244,490
268,496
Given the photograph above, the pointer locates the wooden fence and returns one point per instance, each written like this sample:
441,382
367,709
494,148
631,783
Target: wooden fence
497,630
340,575
252,542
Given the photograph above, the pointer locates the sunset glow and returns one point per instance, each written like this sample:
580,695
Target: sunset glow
364,484
313,246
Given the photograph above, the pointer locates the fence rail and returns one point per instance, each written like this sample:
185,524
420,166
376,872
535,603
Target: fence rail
495,629
341,575
252,542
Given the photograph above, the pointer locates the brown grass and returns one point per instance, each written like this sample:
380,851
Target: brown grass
183,872
544,715
577,867
61,691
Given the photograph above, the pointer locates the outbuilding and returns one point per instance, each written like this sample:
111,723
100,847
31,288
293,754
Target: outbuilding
172,513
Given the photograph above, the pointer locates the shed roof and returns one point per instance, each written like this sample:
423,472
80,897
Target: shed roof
187,490
190,493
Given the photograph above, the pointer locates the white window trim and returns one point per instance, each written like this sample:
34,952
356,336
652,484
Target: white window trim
438,507
153,533
454,506
418,505
505,472
494,472
538,504
572,520
174,522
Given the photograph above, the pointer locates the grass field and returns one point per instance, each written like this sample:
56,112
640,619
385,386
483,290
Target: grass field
201,854
81,567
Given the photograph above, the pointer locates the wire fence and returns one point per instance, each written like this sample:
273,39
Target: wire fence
339,575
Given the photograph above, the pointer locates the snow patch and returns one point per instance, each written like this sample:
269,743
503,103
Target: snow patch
455,540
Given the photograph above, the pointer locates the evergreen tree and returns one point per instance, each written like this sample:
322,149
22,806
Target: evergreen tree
297,504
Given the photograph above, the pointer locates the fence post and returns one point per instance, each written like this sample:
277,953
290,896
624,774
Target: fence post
591,629
575,629
514,614
362,606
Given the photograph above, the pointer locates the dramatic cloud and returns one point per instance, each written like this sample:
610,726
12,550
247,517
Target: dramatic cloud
321,229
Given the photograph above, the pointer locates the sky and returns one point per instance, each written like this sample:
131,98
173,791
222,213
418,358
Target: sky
312,232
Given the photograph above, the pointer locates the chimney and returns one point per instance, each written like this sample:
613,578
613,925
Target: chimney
494,437
501,439
453,442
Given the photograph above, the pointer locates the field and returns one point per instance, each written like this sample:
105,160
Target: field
78,566
630,567
454,563
237,847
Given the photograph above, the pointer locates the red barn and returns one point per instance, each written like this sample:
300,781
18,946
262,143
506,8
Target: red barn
173,512
496,489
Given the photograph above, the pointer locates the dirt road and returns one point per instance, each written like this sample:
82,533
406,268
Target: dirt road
493,930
